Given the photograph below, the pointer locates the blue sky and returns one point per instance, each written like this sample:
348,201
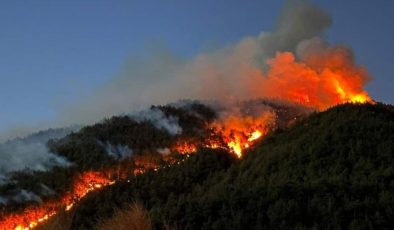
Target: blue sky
53,52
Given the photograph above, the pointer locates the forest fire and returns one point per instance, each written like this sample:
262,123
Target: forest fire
233,132
185,147
241,141
289,65
235,143
319,79
239,131
34,215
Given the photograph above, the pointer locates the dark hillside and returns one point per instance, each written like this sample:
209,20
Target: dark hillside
333,170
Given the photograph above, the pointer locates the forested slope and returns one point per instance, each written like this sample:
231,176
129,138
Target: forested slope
333,170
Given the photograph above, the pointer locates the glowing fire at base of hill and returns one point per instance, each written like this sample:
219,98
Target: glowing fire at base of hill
33,216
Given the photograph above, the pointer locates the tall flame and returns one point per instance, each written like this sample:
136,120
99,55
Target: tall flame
318,79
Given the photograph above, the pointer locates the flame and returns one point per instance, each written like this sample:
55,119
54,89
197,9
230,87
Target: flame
238,143
145,162
234,136
239,131
185,147
236,147
234,133
83,184
318,79
32,216
255,135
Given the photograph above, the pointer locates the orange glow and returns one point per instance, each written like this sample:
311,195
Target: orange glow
145,162
240,131
234,134
318,80
241,141
360,98
255,135
32,216
236,147
185,147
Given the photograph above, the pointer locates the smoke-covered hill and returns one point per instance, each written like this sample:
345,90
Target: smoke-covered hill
333,170
28,154
121,147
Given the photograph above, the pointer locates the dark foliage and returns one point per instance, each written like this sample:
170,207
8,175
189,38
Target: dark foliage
85,149
152,188
334,170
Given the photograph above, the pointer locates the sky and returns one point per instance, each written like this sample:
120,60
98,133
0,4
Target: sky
56,52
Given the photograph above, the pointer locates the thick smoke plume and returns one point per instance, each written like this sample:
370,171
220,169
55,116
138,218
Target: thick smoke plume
292,63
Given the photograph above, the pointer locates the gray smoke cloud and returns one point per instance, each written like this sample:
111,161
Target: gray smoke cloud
158,119
18,155
31,153
20,197
298,21
116,151
225,74
163,151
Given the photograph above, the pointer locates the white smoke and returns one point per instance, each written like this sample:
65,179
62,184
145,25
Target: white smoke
31,153
19,155
116,151
159,120
163,151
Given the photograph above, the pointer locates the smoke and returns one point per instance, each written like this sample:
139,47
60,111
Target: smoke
291,63
20,197
116,151
30,153
163,151
159,120
22,155
233,72
298,21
